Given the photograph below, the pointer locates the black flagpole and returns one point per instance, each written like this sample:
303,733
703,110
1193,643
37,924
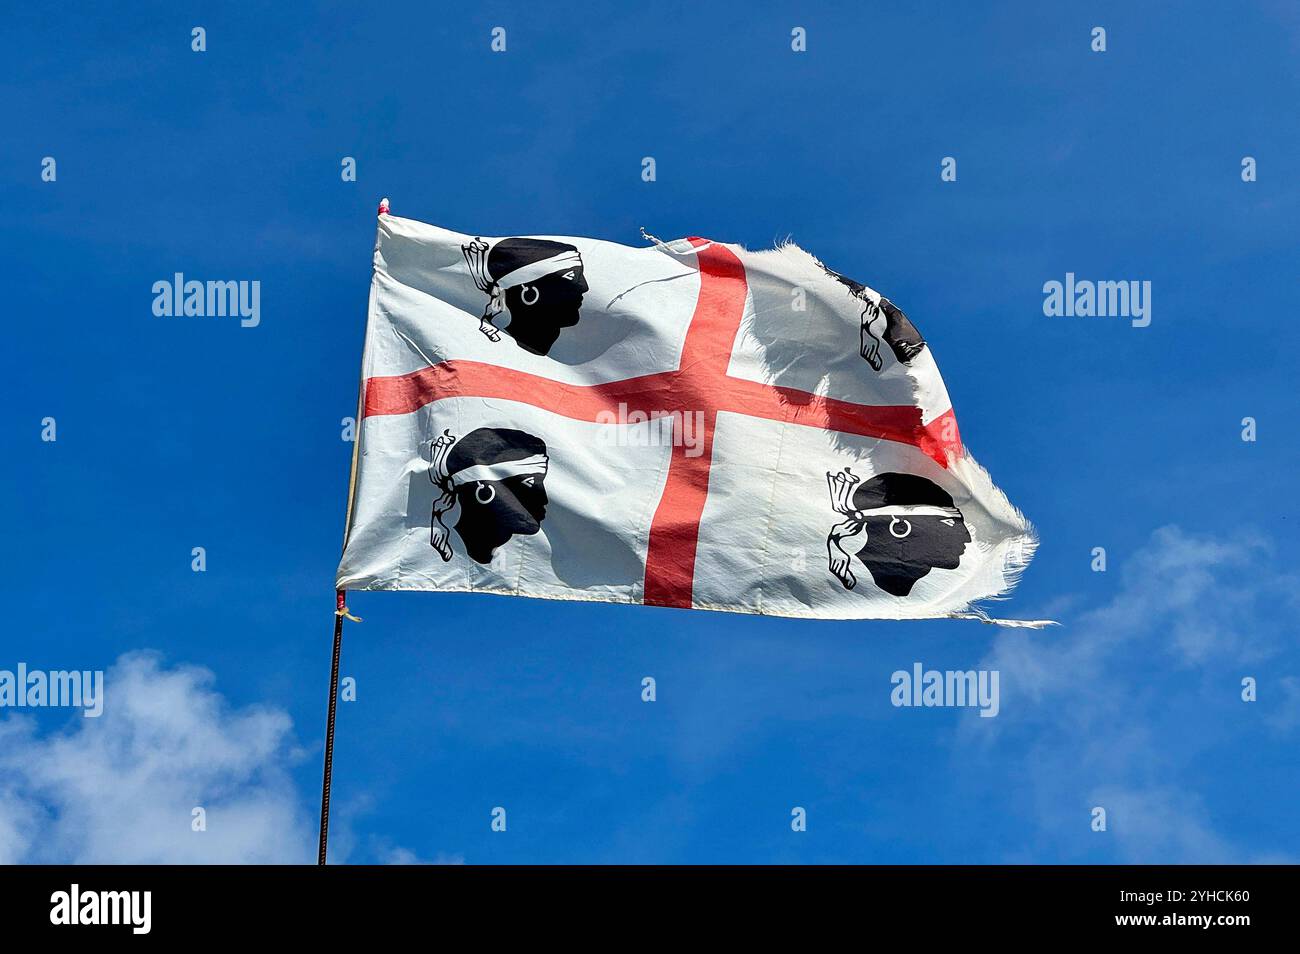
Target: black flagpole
339,613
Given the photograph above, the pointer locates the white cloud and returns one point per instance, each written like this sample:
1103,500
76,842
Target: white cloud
121,788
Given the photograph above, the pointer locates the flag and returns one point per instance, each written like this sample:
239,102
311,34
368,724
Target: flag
685,424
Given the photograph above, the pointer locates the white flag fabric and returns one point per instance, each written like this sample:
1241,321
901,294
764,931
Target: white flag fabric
685,424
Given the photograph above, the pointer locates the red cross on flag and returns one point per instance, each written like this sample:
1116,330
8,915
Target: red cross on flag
687,424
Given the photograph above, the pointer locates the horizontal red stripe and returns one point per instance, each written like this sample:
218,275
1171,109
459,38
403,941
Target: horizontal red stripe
665,391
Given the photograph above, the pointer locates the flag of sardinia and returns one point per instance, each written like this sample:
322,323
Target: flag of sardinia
687,424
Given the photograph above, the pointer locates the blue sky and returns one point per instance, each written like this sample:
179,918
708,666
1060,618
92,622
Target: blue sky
181,433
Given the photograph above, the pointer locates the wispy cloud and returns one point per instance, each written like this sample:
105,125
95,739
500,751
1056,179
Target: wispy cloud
1120,708
404,856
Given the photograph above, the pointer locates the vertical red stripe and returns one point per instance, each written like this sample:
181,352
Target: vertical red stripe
706,352
675,530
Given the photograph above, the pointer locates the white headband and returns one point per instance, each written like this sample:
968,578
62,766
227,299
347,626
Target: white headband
535,465
527,274
902,510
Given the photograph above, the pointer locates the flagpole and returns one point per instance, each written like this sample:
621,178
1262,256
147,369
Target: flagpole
341,608
339,613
